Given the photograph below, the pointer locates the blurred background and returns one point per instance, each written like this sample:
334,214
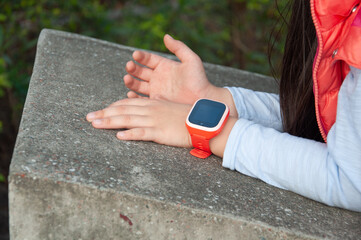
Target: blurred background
234,33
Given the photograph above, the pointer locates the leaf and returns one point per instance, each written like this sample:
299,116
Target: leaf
4,82
2,17
2,178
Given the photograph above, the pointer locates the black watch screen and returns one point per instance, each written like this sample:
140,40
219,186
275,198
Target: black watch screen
207,113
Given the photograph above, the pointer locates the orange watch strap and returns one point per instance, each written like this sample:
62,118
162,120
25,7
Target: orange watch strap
199,132
201,146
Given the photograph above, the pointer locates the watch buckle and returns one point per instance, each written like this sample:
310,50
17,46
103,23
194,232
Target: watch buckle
200,153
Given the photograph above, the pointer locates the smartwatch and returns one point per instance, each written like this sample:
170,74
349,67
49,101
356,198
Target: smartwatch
205,121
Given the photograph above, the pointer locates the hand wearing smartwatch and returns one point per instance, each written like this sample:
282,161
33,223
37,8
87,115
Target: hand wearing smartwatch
205,121
164,122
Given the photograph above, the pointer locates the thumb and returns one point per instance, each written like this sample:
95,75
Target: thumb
182,51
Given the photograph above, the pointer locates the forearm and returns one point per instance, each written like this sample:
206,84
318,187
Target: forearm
293,163
259,107
221,95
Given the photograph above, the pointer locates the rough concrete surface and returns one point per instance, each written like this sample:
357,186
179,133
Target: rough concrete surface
71,181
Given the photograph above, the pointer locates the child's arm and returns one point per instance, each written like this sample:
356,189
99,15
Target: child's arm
182,82
154,120
186,82
327,173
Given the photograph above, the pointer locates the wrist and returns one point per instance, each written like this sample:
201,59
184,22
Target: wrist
205,121
218,143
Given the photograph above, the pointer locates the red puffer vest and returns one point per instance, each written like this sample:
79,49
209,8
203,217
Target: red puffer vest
338,29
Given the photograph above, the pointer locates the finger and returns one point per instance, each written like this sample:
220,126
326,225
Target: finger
123,121
131,101
132,94
182,51
147,59
137,71
117,110
136,85
142,134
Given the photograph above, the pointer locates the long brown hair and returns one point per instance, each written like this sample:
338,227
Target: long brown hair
296,85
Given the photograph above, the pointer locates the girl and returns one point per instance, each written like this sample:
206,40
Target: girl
307,139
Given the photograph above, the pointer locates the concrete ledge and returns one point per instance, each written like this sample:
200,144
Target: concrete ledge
70,181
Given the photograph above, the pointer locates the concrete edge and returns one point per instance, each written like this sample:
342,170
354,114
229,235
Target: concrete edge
252,225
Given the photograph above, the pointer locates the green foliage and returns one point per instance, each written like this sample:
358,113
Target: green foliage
2,178
202,25
21,22
233,33
1,126
4,82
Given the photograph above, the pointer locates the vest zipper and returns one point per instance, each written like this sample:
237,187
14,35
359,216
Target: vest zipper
315,69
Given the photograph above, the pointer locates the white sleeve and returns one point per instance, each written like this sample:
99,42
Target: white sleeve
260,107
327,173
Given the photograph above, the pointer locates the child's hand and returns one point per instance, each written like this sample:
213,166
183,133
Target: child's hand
182,82
147,120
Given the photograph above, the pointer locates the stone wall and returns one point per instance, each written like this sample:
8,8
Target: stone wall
71,181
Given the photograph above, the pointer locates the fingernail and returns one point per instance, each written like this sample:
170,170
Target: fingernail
97,122
120,134
170,36
90,116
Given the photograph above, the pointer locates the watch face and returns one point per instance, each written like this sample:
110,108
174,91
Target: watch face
207,113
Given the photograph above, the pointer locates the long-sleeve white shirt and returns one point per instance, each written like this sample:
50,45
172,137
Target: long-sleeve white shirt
329,173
